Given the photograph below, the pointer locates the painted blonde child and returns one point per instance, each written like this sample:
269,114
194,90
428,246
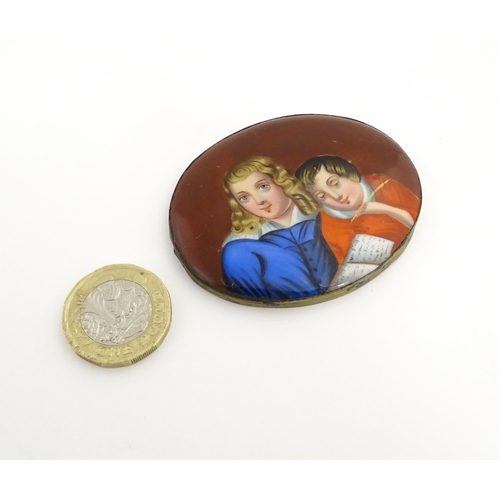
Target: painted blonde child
275,249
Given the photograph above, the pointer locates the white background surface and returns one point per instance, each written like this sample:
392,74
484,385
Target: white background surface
93,138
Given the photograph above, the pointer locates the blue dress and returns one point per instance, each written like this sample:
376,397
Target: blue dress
287,263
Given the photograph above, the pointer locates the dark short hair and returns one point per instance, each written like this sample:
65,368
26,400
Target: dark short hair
333,164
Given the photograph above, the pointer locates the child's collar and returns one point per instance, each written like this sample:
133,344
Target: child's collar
270,225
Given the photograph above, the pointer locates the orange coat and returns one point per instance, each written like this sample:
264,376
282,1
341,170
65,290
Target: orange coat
339,233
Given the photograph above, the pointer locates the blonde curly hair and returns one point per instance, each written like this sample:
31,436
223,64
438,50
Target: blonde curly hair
243,221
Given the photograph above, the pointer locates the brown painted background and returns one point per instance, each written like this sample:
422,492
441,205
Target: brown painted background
199,213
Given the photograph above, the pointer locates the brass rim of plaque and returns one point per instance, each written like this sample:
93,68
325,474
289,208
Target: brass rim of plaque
332,294
149,340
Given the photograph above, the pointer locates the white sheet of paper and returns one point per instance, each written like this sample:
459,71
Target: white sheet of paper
352,272
369,249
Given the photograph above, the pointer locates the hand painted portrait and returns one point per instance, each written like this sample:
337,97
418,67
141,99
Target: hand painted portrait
295,210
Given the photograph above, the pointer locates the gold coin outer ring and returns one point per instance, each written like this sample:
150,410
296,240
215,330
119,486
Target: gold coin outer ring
133,351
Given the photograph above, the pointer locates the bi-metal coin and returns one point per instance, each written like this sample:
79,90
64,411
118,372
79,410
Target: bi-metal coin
117,315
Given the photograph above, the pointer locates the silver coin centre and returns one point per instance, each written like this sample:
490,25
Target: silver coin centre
116,312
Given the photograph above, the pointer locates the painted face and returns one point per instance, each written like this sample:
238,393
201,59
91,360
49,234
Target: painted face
260,196
335,192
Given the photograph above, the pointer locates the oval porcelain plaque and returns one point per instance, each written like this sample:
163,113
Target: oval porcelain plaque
295,210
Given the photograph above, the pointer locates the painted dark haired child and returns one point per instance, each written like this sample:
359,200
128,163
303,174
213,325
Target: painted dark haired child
372,205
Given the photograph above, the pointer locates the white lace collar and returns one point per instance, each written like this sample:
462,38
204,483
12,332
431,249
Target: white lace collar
271,225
